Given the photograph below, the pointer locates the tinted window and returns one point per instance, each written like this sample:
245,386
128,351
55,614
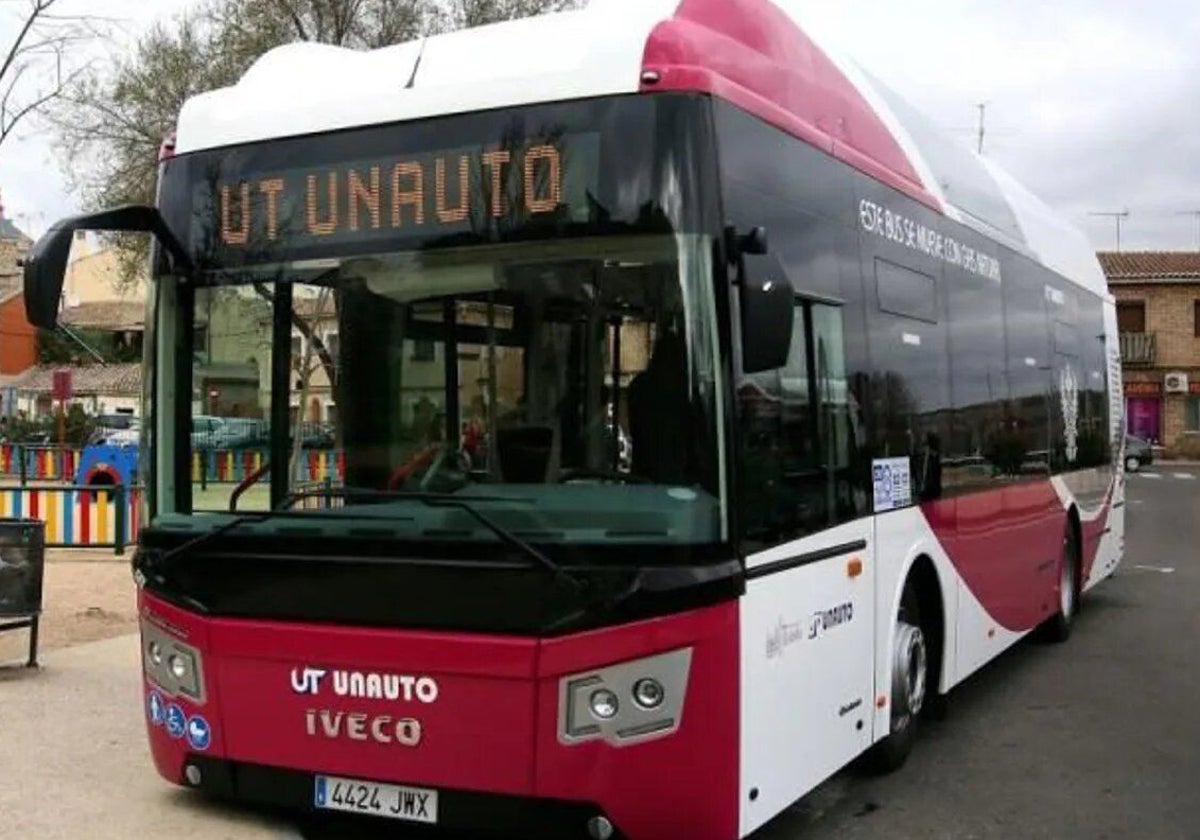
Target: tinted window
799,433
978,382
1024,447
910,389
800,428
1094,446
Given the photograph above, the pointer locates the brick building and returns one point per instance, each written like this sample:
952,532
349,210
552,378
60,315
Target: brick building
1158,315
18,339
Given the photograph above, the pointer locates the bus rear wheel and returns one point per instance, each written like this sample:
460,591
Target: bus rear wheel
910,681
1058,628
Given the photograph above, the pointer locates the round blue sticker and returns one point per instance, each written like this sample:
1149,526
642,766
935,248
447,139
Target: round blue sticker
199,735
155,708
176,723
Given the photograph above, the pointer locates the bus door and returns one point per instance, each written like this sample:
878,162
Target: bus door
807,616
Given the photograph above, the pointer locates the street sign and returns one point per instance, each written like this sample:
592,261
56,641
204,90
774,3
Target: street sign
61,388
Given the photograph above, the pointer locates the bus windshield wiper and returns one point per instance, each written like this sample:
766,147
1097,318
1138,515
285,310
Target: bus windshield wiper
464,504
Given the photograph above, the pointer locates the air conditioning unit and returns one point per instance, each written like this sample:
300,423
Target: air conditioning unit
1175,383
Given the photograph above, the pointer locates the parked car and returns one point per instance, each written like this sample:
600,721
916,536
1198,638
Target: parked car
210,432
1138,453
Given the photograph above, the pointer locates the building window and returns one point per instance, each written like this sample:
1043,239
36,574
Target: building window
1131,317
1191,414
422,351
200,337
1196,318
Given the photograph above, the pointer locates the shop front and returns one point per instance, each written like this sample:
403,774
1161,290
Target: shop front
1143,410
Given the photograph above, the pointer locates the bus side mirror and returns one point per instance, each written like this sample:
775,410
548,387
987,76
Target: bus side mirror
766,301
43,271
46,265
766,305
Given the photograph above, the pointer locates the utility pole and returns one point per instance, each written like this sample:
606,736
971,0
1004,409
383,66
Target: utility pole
1196,215
1116,217
982,106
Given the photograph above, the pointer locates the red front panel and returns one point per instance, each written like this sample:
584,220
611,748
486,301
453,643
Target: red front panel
483,704
273,698
683,785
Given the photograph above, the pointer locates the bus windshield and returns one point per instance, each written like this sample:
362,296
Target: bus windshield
563,382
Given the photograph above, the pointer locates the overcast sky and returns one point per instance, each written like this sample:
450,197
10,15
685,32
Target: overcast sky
1092,104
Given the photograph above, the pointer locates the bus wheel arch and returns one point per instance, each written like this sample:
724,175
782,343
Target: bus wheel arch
918,641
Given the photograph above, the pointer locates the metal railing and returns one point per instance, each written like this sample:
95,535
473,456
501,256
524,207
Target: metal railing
1137,348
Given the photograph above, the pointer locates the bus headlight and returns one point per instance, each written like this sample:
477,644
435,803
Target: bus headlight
648,693
590,704
172,665
604,703
179,668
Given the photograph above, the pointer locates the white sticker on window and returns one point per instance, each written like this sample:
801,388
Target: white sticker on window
911,338
1030,361
893,488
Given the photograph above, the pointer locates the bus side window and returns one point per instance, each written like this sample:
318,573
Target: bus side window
798,431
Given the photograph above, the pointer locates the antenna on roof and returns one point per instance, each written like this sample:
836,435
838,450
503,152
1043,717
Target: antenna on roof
417,63
1117,217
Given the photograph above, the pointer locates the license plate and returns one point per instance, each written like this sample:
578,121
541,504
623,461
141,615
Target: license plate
399,802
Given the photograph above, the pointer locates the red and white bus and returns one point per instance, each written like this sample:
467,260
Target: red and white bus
697,418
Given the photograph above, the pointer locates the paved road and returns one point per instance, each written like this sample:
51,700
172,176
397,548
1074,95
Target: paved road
74,762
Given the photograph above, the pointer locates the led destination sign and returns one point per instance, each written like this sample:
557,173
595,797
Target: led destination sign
366,202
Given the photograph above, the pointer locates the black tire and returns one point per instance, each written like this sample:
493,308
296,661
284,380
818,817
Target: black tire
1132,463
1058,628
889,755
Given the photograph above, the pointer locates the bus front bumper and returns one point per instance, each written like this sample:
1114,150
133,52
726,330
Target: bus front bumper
504,730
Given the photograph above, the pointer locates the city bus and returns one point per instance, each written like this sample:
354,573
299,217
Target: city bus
702,418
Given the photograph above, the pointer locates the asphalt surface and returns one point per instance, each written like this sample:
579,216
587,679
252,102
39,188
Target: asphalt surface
1095,739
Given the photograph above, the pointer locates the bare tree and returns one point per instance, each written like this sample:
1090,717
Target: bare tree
38,65
460,14
110,121
312,359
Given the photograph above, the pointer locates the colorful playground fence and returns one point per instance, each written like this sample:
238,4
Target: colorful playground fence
34,463
92,517
39,462
227,466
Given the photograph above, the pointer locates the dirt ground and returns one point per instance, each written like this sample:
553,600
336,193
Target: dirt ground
87,595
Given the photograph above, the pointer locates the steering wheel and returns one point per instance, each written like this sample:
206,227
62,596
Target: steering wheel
601,475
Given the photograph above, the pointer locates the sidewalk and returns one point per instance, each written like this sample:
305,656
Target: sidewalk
74,761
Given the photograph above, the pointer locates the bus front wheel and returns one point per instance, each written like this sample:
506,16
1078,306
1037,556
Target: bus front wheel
910,681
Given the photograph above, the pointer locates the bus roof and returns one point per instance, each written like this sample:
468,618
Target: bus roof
749,52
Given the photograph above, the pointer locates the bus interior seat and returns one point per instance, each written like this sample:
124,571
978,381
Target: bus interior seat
527,453
657,398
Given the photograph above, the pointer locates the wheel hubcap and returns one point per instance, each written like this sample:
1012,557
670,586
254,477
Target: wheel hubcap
1066,586
908,674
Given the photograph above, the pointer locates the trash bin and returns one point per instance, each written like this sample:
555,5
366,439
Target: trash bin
22,565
